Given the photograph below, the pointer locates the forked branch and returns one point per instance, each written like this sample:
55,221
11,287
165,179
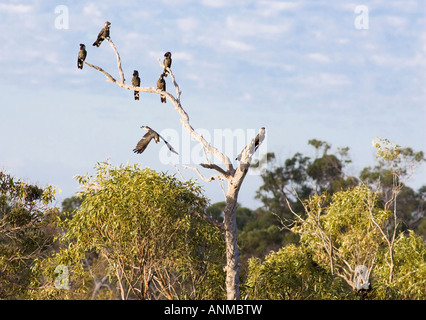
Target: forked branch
120,70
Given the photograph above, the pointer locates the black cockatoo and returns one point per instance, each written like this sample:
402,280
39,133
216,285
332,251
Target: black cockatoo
136,82
81,56
161,84
146,139
103,34
167,62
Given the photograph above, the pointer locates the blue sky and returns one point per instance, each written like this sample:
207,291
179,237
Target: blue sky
302,69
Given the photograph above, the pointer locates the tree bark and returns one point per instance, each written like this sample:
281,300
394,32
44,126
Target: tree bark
230,225
232,253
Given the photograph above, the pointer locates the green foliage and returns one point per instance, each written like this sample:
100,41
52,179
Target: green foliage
258,231
132,233
290,273
142,224
337,234
298,178
71,204
301,176
262,234
394,167
279,180
325,169
409,280
25,233
395,154
243,214
342,235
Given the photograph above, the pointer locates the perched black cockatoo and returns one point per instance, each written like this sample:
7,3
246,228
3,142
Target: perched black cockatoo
167,62
136,82
146,139
161,84
256,143
81,56
103,34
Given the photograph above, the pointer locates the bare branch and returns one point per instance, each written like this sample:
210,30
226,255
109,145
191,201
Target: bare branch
247,153
222,186
110,77
130,87
180,173
178,92
118,60
185,122
209,219
219,179
212,177
215,167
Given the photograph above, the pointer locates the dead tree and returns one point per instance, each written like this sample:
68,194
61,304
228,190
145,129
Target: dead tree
233,177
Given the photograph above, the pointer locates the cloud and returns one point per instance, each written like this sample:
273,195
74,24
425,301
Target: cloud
396,22
182,55
51,58
187,24
250,26
329,79
246,97
92,9
270,8
398,62
319,57
237,45
15,8
216,3
405,5
323,80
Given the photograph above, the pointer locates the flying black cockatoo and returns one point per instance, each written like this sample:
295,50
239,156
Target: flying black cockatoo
256,143
161,84
167,62
103,34
136,82
81,56
146,139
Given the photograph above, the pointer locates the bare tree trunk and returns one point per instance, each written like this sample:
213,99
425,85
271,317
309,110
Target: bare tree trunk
232,253
230,225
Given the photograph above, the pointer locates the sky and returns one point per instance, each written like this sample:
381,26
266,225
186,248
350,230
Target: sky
344,72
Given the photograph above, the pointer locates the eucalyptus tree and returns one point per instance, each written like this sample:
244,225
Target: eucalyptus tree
26,233
355,234
144,230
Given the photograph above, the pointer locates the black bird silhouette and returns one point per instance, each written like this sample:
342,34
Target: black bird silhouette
136,82
161,84
167,62
81,56
103,34
146,139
